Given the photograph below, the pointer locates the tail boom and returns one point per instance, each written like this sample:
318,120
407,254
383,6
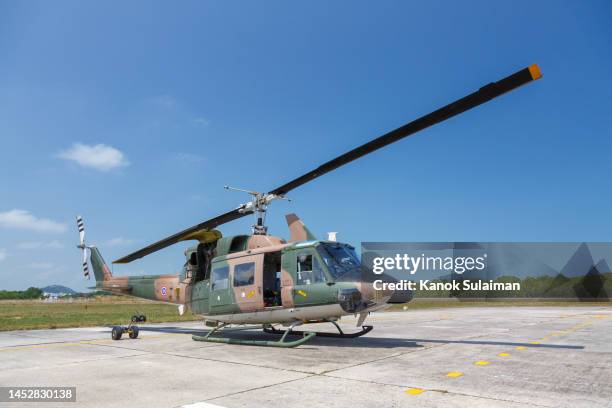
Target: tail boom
163,288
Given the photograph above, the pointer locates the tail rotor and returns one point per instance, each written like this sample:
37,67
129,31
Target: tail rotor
85,248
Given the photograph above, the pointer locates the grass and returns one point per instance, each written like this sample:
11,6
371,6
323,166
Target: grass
101,311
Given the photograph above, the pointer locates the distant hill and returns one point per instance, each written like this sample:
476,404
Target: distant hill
57,289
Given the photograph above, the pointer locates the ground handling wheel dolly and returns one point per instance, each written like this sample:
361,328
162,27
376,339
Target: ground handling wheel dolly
139,318
118,331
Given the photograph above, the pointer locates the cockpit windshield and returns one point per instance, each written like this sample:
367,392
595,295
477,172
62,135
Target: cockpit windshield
341,260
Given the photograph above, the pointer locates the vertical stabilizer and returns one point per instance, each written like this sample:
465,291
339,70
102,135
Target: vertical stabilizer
100,269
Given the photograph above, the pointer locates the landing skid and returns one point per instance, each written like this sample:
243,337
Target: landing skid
279,343
339,335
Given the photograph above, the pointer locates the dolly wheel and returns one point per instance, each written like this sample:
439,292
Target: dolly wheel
117,332
135,318
133,332
142,318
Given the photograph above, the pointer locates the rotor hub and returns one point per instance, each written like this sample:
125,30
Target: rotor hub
258,206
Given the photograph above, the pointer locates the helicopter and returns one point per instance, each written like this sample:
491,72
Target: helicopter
263,280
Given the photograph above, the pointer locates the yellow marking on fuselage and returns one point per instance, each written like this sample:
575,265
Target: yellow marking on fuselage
301,292
251,293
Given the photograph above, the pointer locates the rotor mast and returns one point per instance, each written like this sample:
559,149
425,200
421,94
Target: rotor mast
258,206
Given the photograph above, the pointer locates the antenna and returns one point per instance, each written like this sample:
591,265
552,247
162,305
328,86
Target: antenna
258,206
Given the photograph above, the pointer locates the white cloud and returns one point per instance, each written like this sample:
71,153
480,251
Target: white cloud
100,157
40,245
201,121
119,241
3,254
23,219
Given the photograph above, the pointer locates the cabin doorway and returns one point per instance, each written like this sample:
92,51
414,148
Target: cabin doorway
271,279
200,261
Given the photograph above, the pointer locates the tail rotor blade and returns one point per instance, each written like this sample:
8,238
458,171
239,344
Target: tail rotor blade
85,262
81,227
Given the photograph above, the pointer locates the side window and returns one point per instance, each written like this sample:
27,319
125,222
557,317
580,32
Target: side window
308,270
220,277
244,274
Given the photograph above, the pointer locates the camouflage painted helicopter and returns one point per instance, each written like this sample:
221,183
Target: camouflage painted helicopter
264,280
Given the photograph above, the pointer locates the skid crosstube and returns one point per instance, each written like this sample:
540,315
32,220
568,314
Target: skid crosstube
263,343
251,342
340,335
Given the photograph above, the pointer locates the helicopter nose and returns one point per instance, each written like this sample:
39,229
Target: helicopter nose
351,300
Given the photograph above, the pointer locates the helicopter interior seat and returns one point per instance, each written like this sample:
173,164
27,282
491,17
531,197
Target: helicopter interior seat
192,266
271,279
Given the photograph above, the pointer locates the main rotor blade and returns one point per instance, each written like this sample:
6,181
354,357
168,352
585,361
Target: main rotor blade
479,97
484,94
180,236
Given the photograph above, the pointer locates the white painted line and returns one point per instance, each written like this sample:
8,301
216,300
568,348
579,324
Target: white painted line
202,405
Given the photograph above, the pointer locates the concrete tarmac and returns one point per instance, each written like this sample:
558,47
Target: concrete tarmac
452,357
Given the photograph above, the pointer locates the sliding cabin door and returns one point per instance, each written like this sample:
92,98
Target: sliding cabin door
247,282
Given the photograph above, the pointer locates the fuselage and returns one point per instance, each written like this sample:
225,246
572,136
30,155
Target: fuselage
262,279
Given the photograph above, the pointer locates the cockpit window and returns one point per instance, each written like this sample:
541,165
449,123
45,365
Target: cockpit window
341,260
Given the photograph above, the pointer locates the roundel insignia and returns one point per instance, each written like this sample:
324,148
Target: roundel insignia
163,291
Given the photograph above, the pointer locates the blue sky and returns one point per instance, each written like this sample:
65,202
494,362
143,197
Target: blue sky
187,97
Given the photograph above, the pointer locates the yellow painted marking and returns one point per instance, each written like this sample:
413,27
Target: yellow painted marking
251,293
301,292
503,354
520,347
414,391
482,363
535,342
454,374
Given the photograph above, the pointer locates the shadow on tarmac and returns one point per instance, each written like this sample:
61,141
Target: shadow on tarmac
366,341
